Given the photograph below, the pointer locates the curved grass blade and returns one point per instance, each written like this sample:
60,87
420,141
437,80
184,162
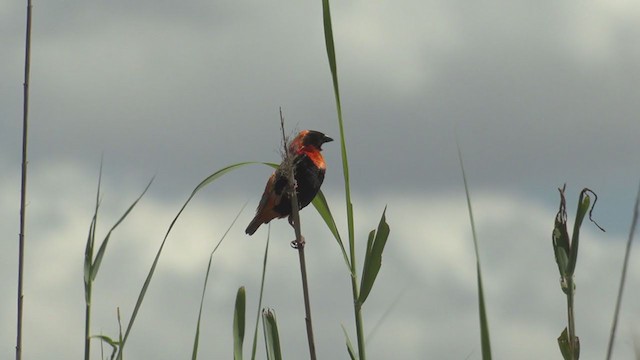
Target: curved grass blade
149,277
350,350
321,205
584,203
196,341
271,337
109,341
583,206
88,258
623,278
88,252
264,271
91,265
484,323
103,247
238,323
331,55
386,314
373,257
560,238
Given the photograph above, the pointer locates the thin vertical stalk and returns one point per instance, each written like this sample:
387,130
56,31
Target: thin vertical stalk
23,185
623,277
573,341
87,326
485,339
331,55
298,243
89,263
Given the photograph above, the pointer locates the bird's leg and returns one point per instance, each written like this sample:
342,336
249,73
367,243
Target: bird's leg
295,243
298,244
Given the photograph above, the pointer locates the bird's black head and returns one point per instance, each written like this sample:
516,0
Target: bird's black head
313,138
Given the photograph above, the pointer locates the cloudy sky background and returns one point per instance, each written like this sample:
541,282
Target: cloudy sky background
538,92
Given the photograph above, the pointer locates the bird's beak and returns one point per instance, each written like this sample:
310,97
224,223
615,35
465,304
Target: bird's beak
327,139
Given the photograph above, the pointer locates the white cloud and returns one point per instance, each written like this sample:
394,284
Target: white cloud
430,254
594,30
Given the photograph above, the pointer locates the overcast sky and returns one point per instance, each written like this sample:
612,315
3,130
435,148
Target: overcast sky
539,93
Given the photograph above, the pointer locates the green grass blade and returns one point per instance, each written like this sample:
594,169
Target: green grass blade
560,237
373,257
88,255
331,56
623,277
109,341
149,277
385,315
583,206
264,271
88,269
367,258
563,343
88,252
484,323
119,330
350,350
238,323
196,341
271,337
584,203
103,247
321,205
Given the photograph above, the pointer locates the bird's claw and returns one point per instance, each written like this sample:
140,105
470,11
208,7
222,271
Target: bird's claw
298,244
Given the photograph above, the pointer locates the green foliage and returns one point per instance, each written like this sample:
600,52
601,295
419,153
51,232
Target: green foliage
350,350
238,323
373,257
623,278
109,341
565,250
149,277
321,205
92,264
264,272
271,337
485,339
566,349
196,341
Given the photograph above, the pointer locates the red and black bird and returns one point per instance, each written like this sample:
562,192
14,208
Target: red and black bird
309,169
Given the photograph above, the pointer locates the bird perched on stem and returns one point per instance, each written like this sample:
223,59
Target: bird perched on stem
309,168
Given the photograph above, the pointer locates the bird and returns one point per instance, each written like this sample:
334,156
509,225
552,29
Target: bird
309,170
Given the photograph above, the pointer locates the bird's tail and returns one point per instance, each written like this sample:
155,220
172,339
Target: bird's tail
253,226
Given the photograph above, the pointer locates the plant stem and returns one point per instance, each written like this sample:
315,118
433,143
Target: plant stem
299,241
23,187
623,277
357,307
307,304
573,341
87,327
